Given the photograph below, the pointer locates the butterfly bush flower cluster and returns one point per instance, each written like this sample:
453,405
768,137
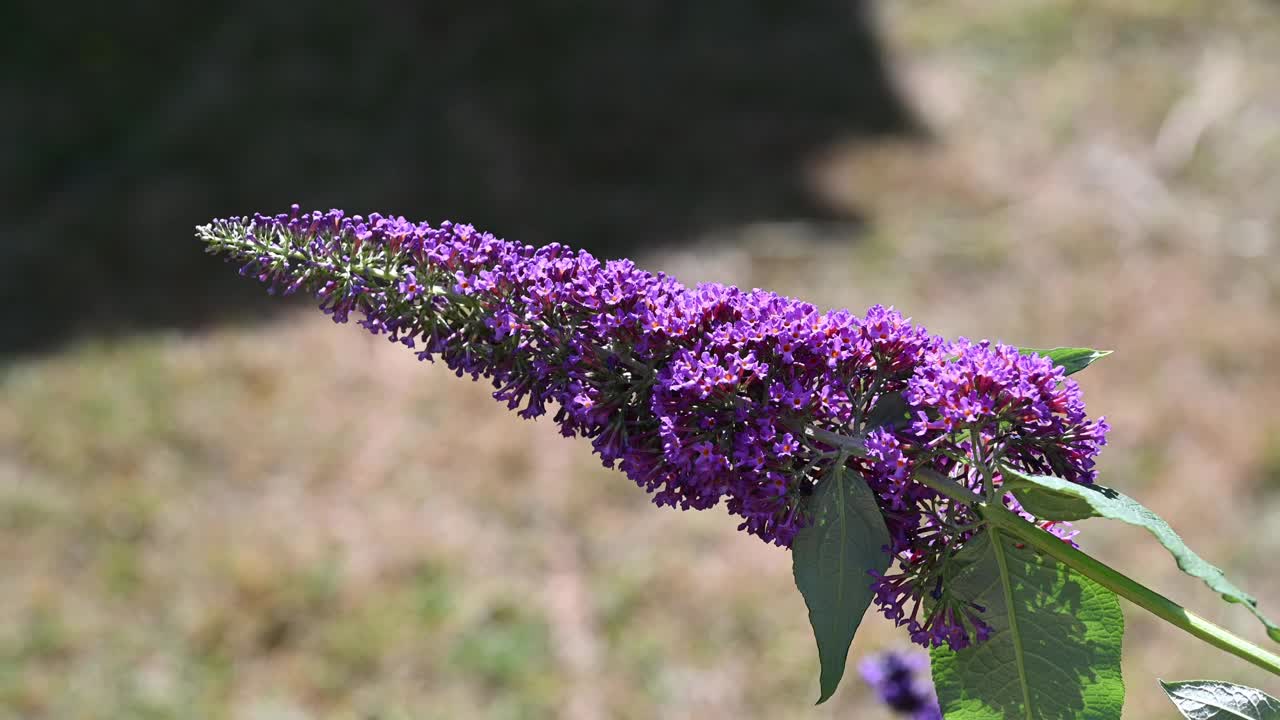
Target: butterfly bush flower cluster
974,408
901,681
703,394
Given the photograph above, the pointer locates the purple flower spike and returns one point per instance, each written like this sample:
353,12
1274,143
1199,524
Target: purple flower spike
698,394
705,394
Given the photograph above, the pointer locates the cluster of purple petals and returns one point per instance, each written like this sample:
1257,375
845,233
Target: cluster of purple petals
732,403
699,395
1030,415
972,406
901,681
925,531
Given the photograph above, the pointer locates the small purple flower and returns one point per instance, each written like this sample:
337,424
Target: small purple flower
787,446
409,287
901,681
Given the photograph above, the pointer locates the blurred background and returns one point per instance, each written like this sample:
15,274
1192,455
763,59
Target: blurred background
213,505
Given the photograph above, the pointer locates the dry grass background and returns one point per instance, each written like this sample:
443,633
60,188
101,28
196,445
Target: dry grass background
293,520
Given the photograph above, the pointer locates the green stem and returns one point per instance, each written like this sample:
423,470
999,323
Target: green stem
850,445
1106,576
988,481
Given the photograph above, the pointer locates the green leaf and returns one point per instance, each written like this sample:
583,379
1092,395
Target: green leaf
1047,502
891,409
1072,360
1214,700
1053,498
832,559
1054,651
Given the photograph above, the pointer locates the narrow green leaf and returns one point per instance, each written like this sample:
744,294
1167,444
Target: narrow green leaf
1053,498
1214,700
832,559
1054,651
1072,360
1047,502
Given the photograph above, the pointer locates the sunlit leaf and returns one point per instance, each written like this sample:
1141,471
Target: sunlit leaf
1214,700
1054,652
1072,359
1053,498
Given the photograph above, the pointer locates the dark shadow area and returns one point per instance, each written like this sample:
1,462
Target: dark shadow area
599,124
